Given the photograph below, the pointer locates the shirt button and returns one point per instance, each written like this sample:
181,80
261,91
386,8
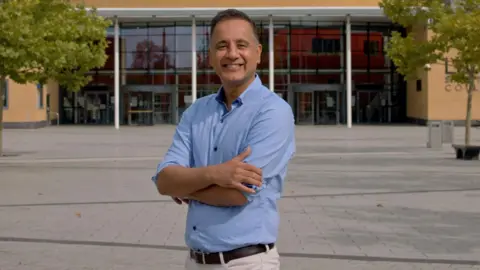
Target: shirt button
221,121
215,149
194,228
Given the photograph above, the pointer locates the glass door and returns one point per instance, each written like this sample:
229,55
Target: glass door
370,107
162,108
141,109
97,108
304,107
327,108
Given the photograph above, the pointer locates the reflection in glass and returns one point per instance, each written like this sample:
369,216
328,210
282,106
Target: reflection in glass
133,29
305,78
368,43
315,47
158,29
162,108
159,53
183,60
163,42
149,60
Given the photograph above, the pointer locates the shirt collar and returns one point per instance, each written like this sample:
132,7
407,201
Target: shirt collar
245,96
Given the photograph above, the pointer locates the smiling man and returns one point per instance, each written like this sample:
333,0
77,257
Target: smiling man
229,157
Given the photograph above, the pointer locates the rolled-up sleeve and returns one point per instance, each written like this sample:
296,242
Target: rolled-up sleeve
179,151
272,141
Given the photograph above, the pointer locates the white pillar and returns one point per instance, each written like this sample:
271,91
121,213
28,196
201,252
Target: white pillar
194,60
116,44
271,59
348,79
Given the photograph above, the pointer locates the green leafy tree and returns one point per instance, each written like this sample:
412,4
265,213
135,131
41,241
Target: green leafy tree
43,40
455,36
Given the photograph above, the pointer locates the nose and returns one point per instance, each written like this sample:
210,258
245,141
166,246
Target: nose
232,52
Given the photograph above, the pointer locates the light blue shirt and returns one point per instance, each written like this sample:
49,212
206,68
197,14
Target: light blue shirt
209,134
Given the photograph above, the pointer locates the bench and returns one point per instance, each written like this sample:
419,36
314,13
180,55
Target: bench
470,152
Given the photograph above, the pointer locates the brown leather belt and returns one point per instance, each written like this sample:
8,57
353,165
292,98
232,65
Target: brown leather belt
214,258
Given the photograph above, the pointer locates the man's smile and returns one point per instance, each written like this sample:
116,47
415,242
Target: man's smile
232,67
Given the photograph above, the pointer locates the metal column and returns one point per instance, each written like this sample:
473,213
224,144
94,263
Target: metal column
271,59
349,71
194,60
117,74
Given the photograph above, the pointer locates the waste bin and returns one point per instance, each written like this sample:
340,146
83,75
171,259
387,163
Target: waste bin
434,134
448,128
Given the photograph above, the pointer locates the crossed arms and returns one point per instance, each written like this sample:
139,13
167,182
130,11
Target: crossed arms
234,182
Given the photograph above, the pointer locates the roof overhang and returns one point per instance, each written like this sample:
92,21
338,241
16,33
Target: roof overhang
373,12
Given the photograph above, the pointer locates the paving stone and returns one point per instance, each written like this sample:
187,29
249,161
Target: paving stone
351,197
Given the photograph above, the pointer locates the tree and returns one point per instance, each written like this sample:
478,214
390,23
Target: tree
455,37
43,40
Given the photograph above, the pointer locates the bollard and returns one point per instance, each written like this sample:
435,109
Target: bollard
434,135
448,129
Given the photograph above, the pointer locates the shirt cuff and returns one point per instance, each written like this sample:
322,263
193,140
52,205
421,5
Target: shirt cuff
251,196
160,167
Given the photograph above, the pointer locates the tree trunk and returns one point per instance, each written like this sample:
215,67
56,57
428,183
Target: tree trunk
468,120
2,98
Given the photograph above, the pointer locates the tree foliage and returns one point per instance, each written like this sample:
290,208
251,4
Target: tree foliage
454,35
50,39
43,40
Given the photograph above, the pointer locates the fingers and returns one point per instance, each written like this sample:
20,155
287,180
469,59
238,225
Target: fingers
244,154
251,181
251,168
242,187
248,177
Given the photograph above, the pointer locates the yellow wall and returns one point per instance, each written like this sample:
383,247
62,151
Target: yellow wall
447,100
22,104
417,105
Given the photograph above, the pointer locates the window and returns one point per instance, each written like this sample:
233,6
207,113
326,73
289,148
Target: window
371,47
39,96
320,45
5,94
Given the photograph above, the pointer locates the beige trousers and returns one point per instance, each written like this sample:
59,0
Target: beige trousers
269,260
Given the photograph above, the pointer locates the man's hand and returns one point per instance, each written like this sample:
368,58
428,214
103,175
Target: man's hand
235,173
180,201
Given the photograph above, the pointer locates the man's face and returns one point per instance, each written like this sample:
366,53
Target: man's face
234,51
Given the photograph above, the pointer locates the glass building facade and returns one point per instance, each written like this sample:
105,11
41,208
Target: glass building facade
156,63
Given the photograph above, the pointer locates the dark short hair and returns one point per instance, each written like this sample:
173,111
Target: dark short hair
229,14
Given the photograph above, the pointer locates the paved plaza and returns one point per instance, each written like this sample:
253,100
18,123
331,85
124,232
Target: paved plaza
372,197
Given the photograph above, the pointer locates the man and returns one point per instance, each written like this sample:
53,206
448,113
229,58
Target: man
229,157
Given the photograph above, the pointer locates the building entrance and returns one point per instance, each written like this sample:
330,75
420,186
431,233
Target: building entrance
371,106
162,108
327,109
97,108
148,104
139,108
318,104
